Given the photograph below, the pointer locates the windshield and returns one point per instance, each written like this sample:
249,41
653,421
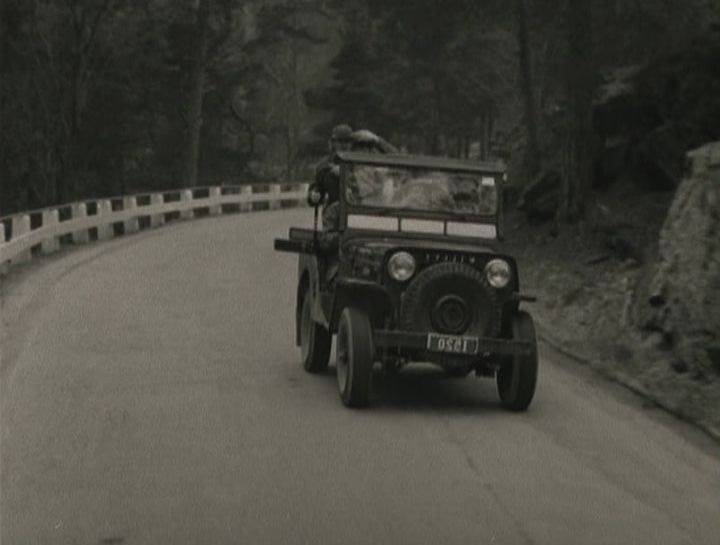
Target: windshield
421,189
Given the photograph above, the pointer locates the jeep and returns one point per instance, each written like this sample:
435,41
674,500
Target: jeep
414,272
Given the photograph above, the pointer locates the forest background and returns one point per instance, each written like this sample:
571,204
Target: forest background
107,97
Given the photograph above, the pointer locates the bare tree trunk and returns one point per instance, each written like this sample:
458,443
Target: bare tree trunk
195,95
288,152
483,135
532,153
86,26
294,119
247,125
77,111
580,80
489,126
436,130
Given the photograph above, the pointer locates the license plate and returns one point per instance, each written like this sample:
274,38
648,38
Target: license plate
452,344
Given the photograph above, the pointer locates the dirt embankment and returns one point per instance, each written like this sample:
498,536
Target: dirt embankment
637,295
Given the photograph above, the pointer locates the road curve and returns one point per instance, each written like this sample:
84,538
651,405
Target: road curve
153,395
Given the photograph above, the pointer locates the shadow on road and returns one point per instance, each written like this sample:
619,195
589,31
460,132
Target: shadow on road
428,389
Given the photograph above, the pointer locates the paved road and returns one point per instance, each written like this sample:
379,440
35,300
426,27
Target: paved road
152,395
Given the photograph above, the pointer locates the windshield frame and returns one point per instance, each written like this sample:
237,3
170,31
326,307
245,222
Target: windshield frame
413,213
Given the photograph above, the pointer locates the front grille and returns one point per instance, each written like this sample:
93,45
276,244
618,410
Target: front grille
433,257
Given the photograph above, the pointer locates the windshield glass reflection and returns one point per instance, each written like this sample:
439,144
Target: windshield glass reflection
420,189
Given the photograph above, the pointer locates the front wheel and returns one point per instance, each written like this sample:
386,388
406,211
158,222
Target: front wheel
517,377
315,340
355,357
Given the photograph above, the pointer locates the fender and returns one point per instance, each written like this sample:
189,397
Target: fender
371,297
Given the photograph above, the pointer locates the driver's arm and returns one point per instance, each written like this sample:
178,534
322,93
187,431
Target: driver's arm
326,175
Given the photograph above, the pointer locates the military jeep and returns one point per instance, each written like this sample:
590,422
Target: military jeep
413,272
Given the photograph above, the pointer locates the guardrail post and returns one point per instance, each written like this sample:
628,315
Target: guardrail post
245,194
21,226
215,209
132,224
186,197
275,196
79,211
52,243
105,227
157,220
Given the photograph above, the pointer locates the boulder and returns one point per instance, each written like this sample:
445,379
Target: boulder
681,299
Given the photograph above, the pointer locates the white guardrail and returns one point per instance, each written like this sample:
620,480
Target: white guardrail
30,233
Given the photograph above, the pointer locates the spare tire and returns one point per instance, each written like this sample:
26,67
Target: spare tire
451,298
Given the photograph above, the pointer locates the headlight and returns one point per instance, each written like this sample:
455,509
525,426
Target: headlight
401,266
498,273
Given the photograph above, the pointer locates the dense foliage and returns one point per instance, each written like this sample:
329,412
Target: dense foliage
100,97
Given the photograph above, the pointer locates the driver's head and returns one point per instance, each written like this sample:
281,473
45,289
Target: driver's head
341,138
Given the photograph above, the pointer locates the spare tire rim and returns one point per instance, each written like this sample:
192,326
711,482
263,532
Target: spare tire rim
453,299
451,314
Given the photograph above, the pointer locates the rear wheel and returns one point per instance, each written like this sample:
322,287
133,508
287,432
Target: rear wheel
315,340
517,377
355,357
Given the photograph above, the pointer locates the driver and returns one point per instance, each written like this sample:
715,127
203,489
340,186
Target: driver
327,176
327,184
327,187
327,173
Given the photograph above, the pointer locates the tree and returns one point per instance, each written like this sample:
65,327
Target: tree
196,91
289,32
431,76
580,81
57,57
212,24
532,153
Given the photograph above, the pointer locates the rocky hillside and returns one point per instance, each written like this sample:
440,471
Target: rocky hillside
634,289
679,305
636,294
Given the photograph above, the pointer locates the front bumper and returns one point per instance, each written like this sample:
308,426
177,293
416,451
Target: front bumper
419,341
